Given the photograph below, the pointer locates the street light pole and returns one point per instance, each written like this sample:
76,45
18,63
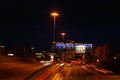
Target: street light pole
63,35
63,53
54,14
54,17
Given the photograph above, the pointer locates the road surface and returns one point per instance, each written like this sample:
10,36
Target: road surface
73,72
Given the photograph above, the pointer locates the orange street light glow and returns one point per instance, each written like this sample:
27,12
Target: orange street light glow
54,14
63,34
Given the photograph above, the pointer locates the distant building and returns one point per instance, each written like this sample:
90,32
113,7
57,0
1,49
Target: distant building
2,50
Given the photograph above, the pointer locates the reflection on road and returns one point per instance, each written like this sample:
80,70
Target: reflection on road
73,72
49,73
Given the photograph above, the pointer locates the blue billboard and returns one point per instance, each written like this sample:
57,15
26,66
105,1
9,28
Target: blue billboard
88,46
69,46
60,45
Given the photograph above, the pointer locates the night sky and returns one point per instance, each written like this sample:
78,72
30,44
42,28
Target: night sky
28,22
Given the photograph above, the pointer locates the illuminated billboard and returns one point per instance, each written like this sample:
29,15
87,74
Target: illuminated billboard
60,45
88,46
80,49
69,46
75,44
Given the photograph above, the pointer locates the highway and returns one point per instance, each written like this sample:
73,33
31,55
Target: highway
72,72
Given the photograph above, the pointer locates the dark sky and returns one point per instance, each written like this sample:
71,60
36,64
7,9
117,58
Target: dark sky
28,22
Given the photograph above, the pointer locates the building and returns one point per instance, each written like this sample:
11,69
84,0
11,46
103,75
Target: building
2,50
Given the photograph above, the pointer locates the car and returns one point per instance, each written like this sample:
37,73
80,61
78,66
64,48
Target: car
80,62
68,63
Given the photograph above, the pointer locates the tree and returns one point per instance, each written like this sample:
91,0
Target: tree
111,51
105,52
98,51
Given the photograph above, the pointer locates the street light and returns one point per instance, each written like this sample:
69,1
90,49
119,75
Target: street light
54,14
63,34
32,50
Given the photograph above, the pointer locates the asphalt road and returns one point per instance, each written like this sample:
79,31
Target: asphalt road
73,72
77,72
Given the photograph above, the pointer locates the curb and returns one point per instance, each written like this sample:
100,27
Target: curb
104,71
